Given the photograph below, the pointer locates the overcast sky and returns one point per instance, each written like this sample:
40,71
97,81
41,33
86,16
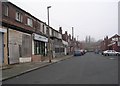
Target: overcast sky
97,18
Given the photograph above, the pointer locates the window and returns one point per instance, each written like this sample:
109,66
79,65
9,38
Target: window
43,28
5,11
56,50
18,16
39,48
118,43
47,31
50,31
114,39
61,49
29,22
40,26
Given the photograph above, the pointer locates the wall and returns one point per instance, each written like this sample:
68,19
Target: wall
5,45
11,17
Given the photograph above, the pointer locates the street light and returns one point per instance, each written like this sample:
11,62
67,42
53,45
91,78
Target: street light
49,52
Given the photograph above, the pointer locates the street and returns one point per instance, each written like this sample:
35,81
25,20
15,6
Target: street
87,69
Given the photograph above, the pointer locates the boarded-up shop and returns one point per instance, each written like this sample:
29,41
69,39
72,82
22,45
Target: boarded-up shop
19,47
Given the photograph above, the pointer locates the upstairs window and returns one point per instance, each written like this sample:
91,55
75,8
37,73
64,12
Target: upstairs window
5,11
19,16
114,39
29,22
43,28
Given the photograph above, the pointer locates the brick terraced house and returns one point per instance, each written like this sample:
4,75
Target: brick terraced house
24,37
112,43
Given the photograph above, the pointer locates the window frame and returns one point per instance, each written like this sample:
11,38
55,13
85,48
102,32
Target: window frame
6,10
30,22
19,16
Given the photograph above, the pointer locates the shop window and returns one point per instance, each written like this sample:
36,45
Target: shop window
39,48
61,49
19,16
56,50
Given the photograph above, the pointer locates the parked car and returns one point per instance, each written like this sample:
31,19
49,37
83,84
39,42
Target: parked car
96,51
118,53
82,51
110,52
85,51
77,53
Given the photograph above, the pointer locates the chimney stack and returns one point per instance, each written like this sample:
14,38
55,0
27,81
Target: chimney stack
60,30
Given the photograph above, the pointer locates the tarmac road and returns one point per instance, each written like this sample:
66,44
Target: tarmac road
87,69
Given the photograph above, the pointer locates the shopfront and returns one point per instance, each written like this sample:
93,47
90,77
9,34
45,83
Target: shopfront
65,47
39,46
19,46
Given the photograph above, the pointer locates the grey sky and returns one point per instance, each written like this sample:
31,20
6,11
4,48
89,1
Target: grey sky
96,18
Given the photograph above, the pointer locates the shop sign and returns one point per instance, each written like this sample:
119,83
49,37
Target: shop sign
40,38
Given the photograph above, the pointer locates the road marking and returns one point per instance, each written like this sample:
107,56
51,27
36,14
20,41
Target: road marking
111,58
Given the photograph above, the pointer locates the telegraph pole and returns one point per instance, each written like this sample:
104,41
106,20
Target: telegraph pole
72,32
73,39
49,51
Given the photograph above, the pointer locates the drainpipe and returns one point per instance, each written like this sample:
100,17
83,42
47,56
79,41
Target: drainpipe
8,45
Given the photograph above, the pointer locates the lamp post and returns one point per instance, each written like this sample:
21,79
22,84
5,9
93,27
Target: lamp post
49,51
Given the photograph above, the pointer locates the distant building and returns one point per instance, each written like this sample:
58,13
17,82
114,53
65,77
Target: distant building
112,43
57,45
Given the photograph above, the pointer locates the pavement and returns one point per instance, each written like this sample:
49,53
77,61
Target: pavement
11,71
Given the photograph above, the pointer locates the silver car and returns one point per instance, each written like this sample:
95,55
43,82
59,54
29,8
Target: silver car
110,52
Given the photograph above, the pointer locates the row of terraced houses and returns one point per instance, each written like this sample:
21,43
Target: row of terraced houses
112,43
109,43
24,38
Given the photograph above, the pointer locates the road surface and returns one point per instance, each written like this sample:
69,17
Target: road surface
87,69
